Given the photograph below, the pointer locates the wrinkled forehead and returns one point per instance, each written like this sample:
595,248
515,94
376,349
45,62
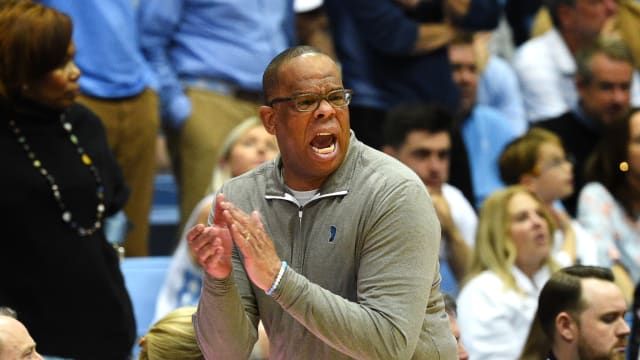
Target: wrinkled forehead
309,73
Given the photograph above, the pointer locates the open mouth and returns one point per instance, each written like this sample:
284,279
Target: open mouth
323,143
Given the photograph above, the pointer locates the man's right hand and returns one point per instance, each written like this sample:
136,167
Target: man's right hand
212,245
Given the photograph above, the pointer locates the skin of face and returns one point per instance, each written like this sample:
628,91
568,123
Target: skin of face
59,88
455,329
313,144
554,174
252,149
608,95
634,147
427,154
602,330
17,344
588,17
465,73
529,232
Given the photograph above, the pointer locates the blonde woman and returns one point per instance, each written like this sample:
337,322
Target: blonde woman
511,262
247,146
537,160
171,337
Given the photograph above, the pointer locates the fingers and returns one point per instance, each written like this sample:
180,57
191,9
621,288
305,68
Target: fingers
218,219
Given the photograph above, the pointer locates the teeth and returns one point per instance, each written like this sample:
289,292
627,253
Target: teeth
324,150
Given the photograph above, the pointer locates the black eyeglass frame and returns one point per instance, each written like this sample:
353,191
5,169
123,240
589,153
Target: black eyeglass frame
348,95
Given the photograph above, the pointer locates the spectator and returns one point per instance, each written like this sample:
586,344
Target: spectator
15,341
511,261
545,64
580,315
419,136
603,81
537,160
392,53
63,183
356,226
117,85
208,57
608,204
247,146
172,337
452,311
485,131
498,85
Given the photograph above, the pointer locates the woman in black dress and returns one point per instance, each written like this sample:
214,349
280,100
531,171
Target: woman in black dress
58,185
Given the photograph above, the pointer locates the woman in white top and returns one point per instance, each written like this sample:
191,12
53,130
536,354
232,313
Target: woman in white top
247,146
511,261
538,161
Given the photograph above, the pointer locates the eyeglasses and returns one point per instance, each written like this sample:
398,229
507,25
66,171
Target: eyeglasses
556,163
338,98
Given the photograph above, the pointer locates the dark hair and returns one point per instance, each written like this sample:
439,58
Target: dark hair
405,118
450,305
553,5
34,40
521,155
270,77
603,165
561,293
613,49
7,311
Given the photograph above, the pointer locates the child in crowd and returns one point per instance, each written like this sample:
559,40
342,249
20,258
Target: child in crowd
537,160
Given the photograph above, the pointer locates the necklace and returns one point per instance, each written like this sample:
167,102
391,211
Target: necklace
67,217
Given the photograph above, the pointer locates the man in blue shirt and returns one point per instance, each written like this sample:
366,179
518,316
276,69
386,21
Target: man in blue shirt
392,52
209,57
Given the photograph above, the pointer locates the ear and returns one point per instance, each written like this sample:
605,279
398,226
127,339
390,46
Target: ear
581,84
565,13
267,116
527,179
389,150
565,327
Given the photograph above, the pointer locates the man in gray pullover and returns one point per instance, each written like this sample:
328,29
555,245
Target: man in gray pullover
333,245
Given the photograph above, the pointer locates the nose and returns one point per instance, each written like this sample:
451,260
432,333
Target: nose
324,110
624,329
612,7
620,96
462,353
74,71
537,219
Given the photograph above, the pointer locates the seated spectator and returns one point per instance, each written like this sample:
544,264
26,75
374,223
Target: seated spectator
419,136
484,130
172,337
609,203
15,341
634,339
537,160
395,51
580,315
603,80
511,261
498,85
545,64
452,311
247,146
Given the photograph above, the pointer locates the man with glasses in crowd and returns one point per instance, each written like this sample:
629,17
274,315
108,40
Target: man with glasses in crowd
333,245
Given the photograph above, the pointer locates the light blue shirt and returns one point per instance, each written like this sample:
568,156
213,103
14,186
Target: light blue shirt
231,41
105,34
485,132
499,88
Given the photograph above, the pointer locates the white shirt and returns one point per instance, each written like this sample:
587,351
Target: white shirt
464,217
494,322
